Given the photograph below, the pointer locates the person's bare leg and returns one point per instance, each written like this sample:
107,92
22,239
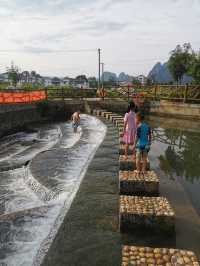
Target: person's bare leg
138,164
144,163
126,151
134,154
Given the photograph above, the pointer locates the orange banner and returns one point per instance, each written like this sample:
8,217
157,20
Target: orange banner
22,97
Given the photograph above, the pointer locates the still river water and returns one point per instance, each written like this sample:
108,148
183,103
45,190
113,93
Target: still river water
176,150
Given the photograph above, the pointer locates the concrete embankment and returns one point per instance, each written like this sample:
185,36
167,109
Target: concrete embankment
175,109
14,117
159,108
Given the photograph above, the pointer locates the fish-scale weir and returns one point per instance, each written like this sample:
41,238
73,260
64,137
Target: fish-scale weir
35,197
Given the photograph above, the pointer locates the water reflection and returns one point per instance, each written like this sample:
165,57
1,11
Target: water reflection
182,154
176,145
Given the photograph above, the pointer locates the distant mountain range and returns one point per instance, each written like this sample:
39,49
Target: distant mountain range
109,76
160,74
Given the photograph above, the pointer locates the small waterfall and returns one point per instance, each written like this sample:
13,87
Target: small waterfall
39,194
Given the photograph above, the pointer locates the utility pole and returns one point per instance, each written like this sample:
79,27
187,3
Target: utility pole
99,79
102,81
102,73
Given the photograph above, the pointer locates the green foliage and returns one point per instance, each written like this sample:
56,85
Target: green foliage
195,69
69,92
180,61
113,94
136,82
93,82
4,85
30,87
13,74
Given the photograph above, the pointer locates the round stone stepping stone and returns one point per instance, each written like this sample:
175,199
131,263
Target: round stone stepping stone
144,256
129,164
132,183
150,213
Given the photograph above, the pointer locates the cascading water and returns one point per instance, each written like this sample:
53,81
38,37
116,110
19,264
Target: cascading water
35,199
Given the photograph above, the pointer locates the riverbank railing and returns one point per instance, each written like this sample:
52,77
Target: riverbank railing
181,93
10,97
184,93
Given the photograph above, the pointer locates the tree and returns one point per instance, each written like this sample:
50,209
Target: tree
93,82
25,76
180,61
136,81
13,74
195,69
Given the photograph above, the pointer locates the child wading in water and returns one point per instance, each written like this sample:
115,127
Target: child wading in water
142,143
76,120
129,128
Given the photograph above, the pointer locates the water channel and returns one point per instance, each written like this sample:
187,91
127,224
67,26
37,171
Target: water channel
41,170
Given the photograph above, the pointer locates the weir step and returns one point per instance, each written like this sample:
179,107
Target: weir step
143,256
133,183
129,164
151,213
114,118
119,123
98,112
109,116
105,113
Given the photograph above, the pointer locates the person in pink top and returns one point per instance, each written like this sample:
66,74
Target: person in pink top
130,128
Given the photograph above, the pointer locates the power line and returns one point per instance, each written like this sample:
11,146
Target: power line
47,51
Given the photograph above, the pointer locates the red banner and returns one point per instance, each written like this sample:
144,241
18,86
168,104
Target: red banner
22,97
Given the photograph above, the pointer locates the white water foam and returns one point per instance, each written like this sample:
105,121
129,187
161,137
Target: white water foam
42,229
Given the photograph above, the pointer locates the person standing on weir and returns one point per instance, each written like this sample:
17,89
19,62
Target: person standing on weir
129,131
76,121
142,143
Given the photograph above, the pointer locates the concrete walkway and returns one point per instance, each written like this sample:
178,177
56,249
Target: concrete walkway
89,234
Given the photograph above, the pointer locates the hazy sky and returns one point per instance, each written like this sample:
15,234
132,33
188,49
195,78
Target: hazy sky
133,34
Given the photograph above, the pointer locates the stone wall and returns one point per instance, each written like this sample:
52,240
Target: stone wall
14,117
175,109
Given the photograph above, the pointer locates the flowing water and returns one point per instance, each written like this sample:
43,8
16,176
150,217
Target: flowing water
40,173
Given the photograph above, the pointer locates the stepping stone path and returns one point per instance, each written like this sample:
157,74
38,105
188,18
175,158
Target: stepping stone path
98,112
106,114
131,183
144,256
115,118
119,123
144,212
